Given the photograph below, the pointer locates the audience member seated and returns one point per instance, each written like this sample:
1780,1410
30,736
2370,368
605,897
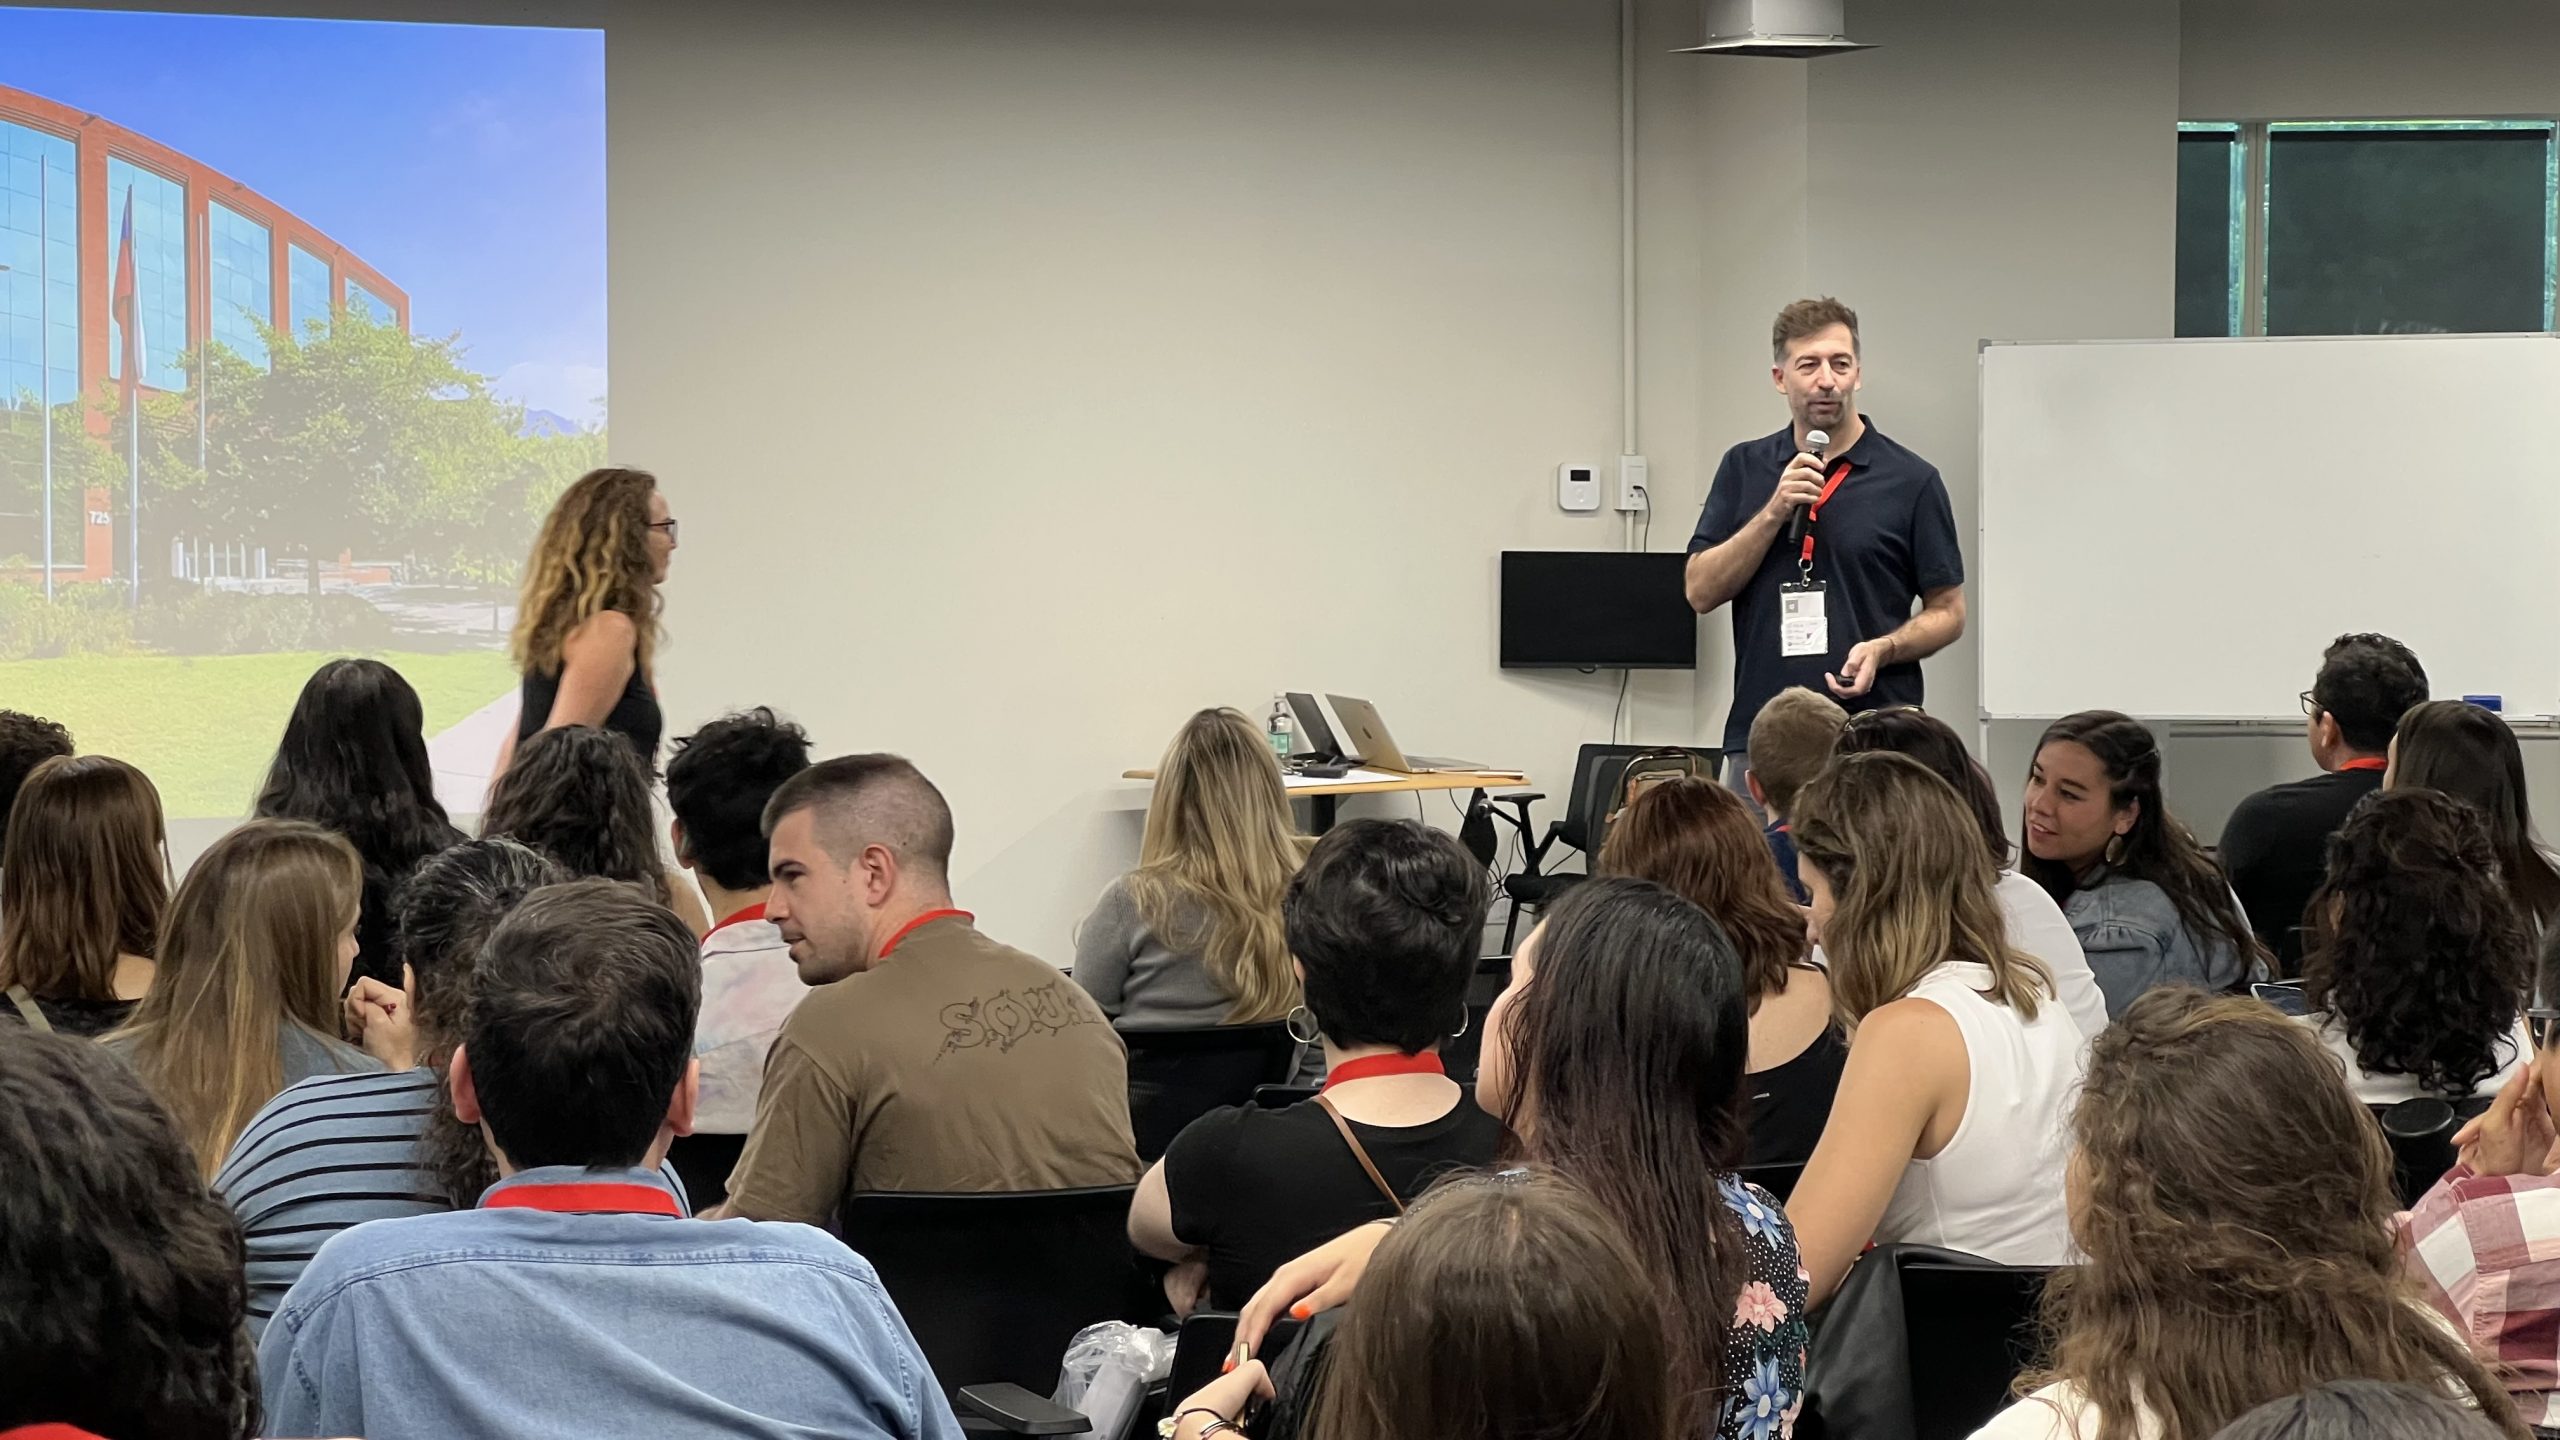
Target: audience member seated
2418,961
253,957
576,1299
120,1294
2484,1243
1697,840
1616,1057
1948,1129
1505,1307
932,1058
26,741
581,796
2232,1204
2471,754
2149,905
1384,922
1191,938
338,1150
2361,1410
717,784
2035,924
354,758
1791,740
84,877
2275,845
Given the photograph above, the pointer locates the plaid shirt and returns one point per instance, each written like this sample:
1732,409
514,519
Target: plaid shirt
2485,1251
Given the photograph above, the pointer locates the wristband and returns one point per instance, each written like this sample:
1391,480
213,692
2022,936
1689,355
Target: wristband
1171,1425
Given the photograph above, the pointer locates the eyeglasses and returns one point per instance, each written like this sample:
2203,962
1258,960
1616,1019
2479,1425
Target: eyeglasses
667,525
2310,705
2537,1022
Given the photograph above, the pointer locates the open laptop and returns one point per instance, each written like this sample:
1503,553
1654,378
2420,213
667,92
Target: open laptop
1364,734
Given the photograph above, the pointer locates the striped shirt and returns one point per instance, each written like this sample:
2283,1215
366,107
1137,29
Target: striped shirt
330,1152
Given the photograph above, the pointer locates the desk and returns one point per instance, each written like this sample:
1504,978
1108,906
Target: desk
1324,796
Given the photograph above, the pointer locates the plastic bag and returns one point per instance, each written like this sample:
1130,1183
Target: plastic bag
1107,1371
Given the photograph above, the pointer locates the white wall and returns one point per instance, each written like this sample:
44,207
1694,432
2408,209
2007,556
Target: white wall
2368,59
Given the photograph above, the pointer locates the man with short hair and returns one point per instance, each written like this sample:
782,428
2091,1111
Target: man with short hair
2275,846
717,785
577,1300
26,741
931,1057
1832,610
1791,740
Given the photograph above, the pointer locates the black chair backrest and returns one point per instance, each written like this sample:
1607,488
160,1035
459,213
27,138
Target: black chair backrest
1598,772
2421,1135
995,1285
1177,1076
1972,1330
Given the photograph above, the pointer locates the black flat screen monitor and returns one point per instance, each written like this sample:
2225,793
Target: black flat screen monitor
1596,610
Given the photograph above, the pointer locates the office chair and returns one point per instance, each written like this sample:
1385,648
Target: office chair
1598,771
1778,1180
1971,1330
1177,1076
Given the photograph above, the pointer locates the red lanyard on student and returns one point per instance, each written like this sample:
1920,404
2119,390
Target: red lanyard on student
2366,762
919,923
587,1197
752,912
1370,1067
1813,517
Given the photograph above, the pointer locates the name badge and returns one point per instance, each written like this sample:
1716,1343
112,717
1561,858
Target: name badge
1802,628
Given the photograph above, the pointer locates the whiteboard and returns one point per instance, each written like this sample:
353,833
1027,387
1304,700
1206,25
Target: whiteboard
2177,528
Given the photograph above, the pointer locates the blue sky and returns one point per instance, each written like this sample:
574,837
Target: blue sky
465,162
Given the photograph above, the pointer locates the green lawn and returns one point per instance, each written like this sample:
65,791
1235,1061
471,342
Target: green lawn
204,727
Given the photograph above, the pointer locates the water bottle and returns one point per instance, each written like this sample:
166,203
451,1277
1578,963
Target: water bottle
1281,728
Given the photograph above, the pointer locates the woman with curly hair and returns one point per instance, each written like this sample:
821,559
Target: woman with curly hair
2233,1204
2417,960
587,623
120,1289
577,795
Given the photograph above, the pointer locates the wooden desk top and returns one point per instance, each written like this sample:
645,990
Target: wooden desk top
1402,784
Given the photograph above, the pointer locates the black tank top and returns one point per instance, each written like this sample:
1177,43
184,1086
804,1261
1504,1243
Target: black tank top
634,716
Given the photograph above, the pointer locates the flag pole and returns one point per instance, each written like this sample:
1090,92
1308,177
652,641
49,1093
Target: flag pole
44,346
133,494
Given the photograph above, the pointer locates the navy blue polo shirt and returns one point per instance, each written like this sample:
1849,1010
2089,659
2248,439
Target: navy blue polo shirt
1887,537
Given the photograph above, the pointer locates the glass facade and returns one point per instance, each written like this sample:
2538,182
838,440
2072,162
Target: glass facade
306,284
374,306
242,285
160,270
38,242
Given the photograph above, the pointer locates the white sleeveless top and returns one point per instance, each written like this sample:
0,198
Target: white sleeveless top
1996,1189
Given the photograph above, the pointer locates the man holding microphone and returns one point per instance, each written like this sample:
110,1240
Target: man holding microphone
1821,537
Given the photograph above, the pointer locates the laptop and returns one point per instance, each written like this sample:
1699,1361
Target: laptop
1315,738
1367,736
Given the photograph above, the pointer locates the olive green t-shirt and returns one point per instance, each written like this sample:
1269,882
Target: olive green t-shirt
954,1064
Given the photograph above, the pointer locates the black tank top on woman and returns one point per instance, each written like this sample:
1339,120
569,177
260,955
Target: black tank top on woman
634,716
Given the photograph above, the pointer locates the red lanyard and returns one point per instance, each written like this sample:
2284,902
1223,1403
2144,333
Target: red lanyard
752,912
1370,1067
918,923
1813,517
594,1197
2366,762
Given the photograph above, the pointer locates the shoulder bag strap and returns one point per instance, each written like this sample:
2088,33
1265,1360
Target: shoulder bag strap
26,1003
1360,1154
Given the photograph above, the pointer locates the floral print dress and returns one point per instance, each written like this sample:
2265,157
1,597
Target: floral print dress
1764,1351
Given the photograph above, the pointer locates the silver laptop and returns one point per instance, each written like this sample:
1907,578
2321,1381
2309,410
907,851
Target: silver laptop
1364,734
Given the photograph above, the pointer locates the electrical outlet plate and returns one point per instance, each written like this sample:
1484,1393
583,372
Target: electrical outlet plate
1632,482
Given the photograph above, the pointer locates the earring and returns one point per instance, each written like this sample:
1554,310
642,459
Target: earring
2115,849
1464,1020
1314,1032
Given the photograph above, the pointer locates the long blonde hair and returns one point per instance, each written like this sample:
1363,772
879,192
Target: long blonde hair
1912,885
250,946
1219,848
83,877
592,556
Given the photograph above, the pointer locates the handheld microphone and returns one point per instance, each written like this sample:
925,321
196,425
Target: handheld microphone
1815,441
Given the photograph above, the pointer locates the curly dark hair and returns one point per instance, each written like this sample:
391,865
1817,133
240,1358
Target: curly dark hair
2366,683
718,783
2414,943
122,1299
26,741
447,911
581,796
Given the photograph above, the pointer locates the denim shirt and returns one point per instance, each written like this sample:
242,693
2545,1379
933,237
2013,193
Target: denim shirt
2135,940
531,1324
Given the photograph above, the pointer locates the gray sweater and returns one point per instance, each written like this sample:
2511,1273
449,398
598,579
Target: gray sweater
1139,980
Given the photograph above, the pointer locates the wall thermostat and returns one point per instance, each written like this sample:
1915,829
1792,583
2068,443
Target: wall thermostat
1578,487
